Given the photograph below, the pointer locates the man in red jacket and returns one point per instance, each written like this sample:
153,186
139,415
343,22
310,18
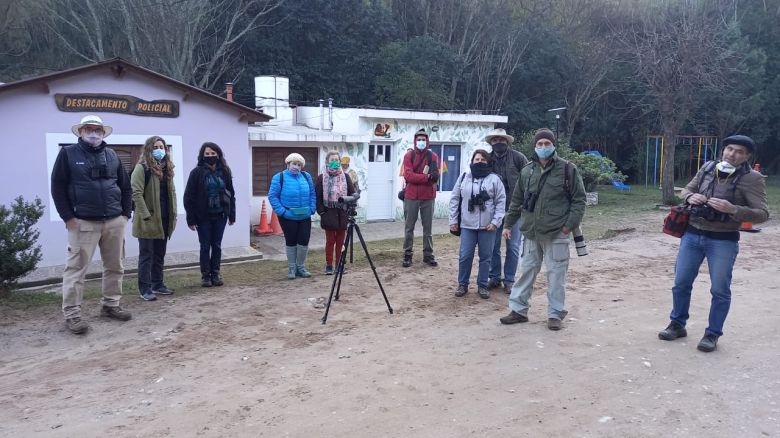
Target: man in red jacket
421,172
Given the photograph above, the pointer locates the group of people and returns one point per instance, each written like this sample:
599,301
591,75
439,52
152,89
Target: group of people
96,198
533,204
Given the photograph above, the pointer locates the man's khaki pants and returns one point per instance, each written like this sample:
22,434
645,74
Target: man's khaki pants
82,241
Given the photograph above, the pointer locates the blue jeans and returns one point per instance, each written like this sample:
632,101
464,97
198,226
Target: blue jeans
469,239
512,255
720,255
210,234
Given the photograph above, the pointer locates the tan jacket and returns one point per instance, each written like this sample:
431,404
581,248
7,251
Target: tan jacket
749,196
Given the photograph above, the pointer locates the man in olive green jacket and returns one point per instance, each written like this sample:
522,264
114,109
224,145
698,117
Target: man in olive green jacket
549,206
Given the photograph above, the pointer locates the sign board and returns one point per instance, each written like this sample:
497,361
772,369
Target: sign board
116,103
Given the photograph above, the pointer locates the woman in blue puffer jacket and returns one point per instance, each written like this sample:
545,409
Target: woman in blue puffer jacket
294,200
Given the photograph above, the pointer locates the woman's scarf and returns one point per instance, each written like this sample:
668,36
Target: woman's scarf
334,184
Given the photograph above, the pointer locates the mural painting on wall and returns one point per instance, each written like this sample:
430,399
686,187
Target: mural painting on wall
382,130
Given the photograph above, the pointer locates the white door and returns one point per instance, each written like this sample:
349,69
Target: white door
379,180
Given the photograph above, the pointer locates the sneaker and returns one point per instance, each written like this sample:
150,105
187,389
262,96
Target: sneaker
494,283
484,293
554,324
205,280
462,290
430,261
163,290
513,318
708,343
407,261
76,325
507,289
148,295
328,270
116,312
216,280
673,331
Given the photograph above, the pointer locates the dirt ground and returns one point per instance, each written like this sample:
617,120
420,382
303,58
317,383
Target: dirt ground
256,361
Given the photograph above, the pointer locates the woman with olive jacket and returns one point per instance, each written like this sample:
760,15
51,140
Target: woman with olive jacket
154,196
477,207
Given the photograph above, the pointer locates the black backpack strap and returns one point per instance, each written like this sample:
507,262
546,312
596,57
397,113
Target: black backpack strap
567,177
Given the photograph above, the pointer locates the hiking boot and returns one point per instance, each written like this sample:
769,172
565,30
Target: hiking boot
148,295
116,312
708,343
493,283
513,318
507,289
483,292
76,325
163,290
407,261
328,270
430,261
205,280
216,280
554,324
673,331
462,290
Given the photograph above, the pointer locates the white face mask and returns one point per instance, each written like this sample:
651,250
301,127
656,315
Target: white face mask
421,144
93,138
725,167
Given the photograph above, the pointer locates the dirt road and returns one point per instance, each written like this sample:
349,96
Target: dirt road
250,362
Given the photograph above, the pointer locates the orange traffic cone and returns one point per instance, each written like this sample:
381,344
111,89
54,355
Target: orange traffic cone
263,228
748,227
276,228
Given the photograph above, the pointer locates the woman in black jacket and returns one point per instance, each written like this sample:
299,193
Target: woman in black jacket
210,203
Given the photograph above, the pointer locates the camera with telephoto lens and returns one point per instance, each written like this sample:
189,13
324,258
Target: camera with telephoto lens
579,242
478,200
529,201
349,203
708,213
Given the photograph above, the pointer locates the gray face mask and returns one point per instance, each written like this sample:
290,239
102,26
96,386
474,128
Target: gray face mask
93,138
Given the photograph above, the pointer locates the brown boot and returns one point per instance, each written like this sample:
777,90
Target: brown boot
116,312
77,325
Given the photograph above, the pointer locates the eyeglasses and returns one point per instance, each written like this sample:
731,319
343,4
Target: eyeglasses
89,130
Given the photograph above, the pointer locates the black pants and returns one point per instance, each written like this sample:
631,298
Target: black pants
296,232
210,234
151,262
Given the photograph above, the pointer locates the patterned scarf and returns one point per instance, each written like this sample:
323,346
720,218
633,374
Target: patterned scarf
335,186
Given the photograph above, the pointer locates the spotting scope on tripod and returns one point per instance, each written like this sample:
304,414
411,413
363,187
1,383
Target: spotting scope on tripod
349,204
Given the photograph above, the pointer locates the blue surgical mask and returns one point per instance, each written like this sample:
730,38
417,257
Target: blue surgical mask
544,153
158,154
294,168
421,144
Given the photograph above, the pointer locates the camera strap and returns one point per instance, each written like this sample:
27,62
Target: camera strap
709,169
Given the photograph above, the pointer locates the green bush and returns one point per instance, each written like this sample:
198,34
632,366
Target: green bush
19,253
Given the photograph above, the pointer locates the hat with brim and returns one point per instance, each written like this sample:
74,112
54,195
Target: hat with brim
499,133
91,120
344,160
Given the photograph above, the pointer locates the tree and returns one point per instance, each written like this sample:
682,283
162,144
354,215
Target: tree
676,50
19,253
194,41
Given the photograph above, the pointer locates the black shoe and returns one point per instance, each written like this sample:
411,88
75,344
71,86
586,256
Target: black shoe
462,290
494,283
116,312
430,261
407,261
554,324
163,290
484,293
708,343
205,280
507,289
673,331
513,318
76,325
216,280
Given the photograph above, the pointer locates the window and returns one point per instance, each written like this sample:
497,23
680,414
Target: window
379,153
128,154
449,165
266,162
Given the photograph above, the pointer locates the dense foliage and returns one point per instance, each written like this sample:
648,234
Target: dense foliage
19,253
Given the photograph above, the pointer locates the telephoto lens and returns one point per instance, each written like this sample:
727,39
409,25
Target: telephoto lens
579,242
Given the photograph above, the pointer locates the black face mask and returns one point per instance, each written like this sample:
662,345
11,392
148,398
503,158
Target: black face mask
211,160
480,170
500,148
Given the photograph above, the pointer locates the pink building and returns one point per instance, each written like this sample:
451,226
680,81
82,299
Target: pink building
37,115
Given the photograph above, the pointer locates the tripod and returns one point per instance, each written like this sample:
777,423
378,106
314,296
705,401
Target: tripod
348,241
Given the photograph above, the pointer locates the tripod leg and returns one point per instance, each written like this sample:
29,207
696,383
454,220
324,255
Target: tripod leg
336,287
373,268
